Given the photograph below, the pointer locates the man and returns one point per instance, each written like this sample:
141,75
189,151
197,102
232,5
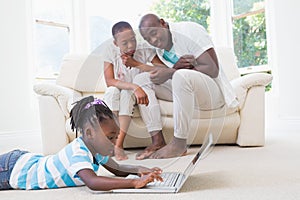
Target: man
193,80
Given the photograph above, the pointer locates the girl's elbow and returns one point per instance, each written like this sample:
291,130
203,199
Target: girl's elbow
97,187
91,187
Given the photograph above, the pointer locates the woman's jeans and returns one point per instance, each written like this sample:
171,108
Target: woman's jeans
7,163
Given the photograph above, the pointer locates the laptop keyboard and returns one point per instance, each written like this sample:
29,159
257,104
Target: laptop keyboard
169,180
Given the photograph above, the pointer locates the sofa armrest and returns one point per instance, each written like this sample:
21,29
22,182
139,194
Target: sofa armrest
53,125
64,96
251,131
250,90
242,84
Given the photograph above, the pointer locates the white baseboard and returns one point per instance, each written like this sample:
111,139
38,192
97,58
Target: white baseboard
29,140
275,121
284,126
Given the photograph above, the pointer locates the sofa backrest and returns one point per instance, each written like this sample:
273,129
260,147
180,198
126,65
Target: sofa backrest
84,73
228,62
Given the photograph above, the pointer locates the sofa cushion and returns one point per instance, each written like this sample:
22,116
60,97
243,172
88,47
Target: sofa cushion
83,73
166,108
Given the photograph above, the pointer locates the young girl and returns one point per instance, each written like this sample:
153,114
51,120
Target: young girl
121,95
78,162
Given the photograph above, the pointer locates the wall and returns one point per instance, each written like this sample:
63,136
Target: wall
18,107
19,112
283,33
284,50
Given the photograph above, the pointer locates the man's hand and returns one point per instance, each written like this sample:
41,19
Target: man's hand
185,62
160,75
141,96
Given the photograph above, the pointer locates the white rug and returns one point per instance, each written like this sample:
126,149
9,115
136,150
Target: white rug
229,172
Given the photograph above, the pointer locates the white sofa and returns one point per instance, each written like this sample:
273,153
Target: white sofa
82,75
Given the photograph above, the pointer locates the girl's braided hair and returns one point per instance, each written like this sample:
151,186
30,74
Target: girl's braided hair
87,110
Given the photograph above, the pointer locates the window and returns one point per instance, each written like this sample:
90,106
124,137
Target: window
249,33
51,35
184,10
101,17
63,26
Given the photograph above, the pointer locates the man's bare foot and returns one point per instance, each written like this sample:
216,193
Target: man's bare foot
146,153
158,141
176,148
120,154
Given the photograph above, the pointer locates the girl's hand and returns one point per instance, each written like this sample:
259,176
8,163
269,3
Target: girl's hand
147,178
129,61
141,96
145,170
125,58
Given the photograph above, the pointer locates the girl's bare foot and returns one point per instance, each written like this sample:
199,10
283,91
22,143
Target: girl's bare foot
120,154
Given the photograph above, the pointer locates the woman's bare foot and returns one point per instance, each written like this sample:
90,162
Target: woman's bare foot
120,154
176,148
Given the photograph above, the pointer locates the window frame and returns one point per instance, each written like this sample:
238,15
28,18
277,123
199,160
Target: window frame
246,14
252,68
54,75
67,25
222,31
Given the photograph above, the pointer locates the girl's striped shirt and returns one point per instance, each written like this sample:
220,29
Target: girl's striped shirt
33,171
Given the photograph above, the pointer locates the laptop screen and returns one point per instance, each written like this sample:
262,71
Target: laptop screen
204,150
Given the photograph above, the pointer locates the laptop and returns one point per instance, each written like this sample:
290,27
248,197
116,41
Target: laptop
173,181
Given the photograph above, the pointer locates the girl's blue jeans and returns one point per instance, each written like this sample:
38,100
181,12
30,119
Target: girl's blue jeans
7,163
